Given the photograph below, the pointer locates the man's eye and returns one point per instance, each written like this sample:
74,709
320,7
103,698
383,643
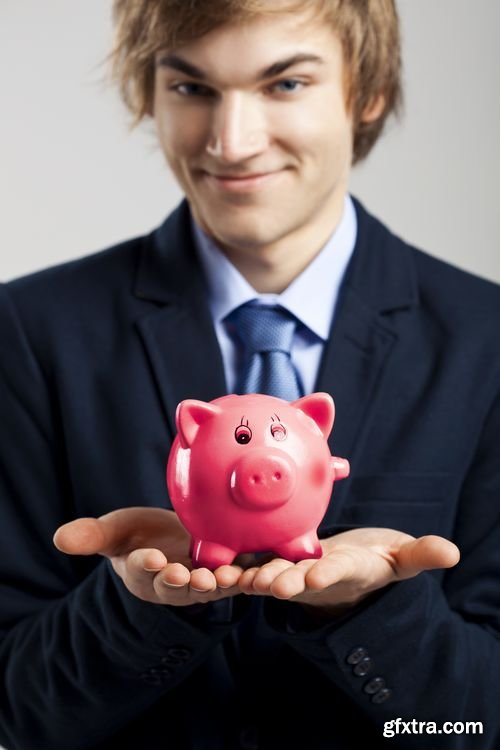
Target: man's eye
243,434
278,431
288,86
191,89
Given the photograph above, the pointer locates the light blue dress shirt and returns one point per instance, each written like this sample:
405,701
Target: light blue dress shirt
311,297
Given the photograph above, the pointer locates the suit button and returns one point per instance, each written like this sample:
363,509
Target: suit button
176,655
163,672
156,675
363,667
382,695
249,738
151,679
374,685
356,655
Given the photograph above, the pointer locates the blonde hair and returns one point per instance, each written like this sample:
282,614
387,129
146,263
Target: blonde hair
368,31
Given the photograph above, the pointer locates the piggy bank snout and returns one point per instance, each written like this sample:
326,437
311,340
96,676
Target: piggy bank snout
263,479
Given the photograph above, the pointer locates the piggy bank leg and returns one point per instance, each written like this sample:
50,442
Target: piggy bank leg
301,548
210,555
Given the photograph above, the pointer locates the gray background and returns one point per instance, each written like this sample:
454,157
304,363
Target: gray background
74,180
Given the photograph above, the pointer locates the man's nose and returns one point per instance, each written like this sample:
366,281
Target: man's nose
238,129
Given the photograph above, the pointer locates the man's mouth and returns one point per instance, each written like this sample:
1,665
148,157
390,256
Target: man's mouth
242,182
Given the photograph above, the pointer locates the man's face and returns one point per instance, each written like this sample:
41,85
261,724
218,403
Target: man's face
253,123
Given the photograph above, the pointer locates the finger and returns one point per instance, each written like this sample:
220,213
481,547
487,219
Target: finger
289,583
330,570
153,560
131,569
292,581
425,553
140,565
245,582
85,536
112,534
202,581
176,575
171,585
227,576
267,574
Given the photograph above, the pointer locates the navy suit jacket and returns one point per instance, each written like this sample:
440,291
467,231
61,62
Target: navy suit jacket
94,357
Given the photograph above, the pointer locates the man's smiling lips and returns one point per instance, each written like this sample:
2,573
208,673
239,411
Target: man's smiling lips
241,183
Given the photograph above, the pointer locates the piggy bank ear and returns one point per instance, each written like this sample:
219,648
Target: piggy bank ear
190,416
320,407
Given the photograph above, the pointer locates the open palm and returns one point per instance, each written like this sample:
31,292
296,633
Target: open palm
149,550
354,564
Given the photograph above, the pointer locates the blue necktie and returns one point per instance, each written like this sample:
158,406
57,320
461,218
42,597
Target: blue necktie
266,335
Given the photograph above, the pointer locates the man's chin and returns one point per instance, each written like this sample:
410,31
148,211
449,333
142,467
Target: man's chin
251,238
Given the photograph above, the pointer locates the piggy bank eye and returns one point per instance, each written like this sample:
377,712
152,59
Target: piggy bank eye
243,434
278,431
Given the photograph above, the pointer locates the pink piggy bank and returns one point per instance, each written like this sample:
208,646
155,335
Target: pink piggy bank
253,473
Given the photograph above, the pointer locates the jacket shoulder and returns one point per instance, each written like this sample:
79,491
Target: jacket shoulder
76,279
437,284
461,288
80,302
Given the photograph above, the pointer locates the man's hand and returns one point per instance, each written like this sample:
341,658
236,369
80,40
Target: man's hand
354,564
149,550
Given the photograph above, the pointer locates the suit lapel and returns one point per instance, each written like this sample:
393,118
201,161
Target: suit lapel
178,333
353,363
378,293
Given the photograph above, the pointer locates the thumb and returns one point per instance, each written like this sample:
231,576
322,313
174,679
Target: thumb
85,536
426,553
114,533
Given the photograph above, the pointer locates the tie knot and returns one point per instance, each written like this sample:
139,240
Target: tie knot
263,328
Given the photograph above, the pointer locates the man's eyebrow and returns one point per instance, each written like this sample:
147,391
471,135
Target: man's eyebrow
178,63
281,65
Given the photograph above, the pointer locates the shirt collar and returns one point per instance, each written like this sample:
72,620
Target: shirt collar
311,297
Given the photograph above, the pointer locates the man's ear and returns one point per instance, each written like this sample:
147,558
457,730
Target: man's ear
190,415
373,109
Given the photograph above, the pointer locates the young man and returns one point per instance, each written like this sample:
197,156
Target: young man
261,109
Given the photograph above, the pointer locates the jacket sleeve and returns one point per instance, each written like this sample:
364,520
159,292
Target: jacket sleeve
80,656
428,648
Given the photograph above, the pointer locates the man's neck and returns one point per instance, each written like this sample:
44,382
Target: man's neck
272,268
